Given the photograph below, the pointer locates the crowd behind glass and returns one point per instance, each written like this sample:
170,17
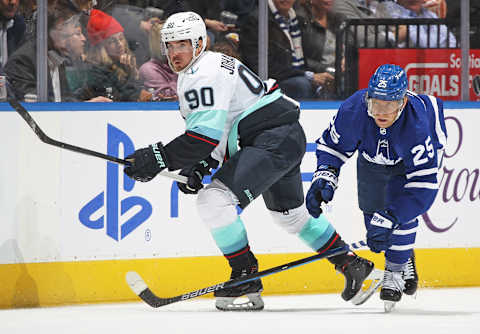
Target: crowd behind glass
105,50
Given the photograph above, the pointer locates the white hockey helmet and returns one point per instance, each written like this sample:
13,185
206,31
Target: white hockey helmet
185,26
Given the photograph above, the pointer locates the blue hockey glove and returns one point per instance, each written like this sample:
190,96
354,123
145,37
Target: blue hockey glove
195,175
324,183
146,163
379,234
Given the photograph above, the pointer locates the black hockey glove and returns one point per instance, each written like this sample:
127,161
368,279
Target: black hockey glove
195,175
146,163
324,184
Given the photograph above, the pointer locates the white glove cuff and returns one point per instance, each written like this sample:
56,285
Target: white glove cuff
379,220
327,176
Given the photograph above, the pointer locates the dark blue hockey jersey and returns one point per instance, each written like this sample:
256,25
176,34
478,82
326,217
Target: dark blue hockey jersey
417,138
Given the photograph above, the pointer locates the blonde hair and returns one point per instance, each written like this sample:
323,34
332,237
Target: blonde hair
97,54
155,42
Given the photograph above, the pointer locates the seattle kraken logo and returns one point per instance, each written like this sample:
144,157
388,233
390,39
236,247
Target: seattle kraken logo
111,195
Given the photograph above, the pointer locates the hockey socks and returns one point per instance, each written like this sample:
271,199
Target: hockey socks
231,238
317,232
243,258
320,235
334,242
243,263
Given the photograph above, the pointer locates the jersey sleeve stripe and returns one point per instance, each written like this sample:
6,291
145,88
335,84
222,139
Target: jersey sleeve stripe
423,172
324,148
425,185
206,132
442,138
202,139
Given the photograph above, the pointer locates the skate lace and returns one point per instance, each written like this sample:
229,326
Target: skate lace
393,280
409,272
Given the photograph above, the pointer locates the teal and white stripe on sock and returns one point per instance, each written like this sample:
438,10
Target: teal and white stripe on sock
316,232
230,238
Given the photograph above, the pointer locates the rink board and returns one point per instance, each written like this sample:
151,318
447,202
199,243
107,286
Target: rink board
72,225
60,283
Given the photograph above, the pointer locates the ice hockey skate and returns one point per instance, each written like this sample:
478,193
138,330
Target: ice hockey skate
230,299
358,273
411,277
393,285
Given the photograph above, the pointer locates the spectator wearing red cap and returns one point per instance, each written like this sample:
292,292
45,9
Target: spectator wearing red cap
114,66
65,47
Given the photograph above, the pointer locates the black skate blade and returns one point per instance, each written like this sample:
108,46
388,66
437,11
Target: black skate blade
376,278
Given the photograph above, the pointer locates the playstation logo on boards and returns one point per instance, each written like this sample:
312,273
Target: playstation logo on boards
116,207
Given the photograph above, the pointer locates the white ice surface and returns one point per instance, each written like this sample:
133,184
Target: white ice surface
434,311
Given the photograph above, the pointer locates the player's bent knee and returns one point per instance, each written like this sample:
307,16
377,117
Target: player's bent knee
216,205
292,220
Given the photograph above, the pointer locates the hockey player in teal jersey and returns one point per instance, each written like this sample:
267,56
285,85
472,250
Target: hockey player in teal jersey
400,137
251,130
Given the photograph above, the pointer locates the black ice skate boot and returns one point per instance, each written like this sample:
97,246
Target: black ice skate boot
242,265
410,276
356,271
393,285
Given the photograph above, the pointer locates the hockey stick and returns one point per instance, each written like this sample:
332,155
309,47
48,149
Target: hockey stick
140,288
46,139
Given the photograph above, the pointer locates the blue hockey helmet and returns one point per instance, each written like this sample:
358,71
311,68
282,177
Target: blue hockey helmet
388,83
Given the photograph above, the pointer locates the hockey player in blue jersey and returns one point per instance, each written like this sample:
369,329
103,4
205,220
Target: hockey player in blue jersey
400,137
230,113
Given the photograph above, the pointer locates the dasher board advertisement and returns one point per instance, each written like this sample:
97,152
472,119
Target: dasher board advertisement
58,205
430,71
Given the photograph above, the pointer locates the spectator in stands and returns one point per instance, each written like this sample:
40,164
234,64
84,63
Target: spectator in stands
137,23
12,29
113,63
439,7
156,73
27,9
76,69
363,9
228,47
286,62
426,38
453,20
21,68
241,8
318,34
210,12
